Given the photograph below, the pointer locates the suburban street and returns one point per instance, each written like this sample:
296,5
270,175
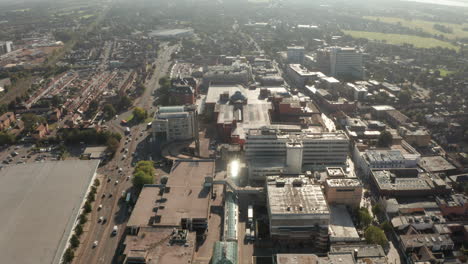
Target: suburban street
114,209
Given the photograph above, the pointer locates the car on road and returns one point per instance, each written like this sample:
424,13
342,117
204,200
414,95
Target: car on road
114,231
100,219
95,243
99,207
116,182
128,177
120,169
124,157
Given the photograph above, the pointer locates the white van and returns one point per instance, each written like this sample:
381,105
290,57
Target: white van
115,230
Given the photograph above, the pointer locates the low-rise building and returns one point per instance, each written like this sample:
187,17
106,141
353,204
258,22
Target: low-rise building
433,242
341,226
453,205
437,164
407,183
385,159
419,137
41,131
6,120
344,191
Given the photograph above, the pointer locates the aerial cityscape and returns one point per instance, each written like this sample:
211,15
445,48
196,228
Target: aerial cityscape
234,131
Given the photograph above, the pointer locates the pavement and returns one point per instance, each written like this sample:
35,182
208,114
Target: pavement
113,208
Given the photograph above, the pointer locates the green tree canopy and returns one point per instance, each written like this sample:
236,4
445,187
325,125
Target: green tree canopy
6,138
375,235
139,114
109,111
31,121
377,209
74,241
124,103
404,97
141,178
364,217
385,139
68,255
144,173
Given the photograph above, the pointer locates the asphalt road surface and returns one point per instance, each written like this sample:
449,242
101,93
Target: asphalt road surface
114,209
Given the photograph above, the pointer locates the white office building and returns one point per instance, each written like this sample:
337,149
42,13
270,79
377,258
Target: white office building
272,151
346,62
175,123
386,159
299,75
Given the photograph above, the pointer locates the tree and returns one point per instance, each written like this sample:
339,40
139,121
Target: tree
69,255
78,230
404,97
56,100
109,111
87,207
140,178
385,139
74,241
364,217
124,103
386,226
92,108
31,121
112,145
375,235
377,209
139,114
6,138
164,179
83,219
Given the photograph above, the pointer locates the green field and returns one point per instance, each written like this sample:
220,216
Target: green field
445,72
398,39
425,26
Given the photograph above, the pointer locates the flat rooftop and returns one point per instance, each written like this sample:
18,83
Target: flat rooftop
341,225
386,180
39,203
297,259
343,182
436,164
295,195
302,71
143,210
304,135
187,198
153,245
